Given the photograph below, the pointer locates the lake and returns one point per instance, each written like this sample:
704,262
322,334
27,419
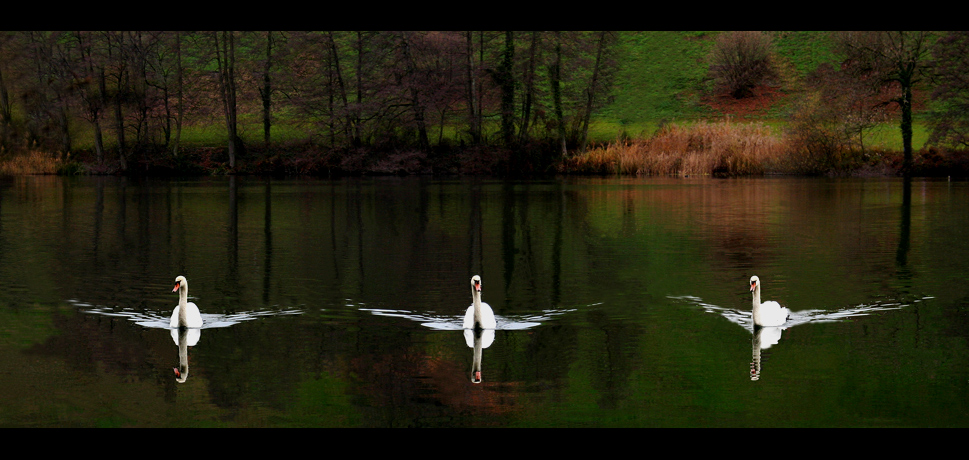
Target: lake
621,302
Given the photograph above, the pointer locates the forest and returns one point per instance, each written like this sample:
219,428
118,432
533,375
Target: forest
467,102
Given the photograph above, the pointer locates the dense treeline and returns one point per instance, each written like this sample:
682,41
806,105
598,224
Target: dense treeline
409,101
355,96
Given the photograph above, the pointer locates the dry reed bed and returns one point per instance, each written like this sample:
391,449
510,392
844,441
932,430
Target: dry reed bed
703,148
33,162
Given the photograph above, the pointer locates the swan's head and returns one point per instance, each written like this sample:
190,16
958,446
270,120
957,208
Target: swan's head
179,282
754,283
181,373
476,283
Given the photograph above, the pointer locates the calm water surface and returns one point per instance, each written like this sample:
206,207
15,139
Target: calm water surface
620,302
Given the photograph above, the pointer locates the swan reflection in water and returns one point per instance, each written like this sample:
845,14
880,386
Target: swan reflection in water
764,337
478,339
183,337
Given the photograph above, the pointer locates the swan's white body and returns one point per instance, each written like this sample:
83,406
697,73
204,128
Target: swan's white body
769,313
186,313
479,314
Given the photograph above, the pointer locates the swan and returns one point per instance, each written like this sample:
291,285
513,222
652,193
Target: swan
479,314
769,313
186,314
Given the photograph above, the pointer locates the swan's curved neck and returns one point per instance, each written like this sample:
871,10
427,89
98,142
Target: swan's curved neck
476,296
183,304
756,304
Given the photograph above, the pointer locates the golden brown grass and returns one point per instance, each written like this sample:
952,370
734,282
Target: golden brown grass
703,148
32,162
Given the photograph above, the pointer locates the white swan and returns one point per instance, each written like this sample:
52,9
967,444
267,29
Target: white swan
769,313
479,314
186,314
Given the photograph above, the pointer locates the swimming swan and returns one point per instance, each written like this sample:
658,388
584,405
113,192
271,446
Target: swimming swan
769,313
479,314
186,314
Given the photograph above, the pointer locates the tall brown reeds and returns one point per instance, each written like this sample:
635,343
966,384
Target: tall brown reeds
32,162
703,148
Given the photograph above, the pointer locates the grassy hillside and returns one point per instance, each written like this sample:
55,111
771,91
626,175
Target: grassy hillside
664,74
663,78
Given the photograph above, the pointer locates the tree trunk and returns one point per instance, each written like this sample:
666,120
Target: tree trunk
120,88
98,135
417,104
506,82
556,84
226,62
266,91
5,112
906,125
178,95
348,120
357,128
119,126
64,128
474,125
591,91
529,90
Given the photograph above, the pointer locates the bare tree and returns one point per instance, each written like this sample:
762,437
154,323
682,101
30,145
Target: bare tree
225,59
411,78
46,95
833,117
897,59
93,93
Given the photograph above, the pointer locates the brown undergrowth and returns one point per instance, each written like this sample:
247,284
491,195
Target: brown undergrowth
702,148
30,162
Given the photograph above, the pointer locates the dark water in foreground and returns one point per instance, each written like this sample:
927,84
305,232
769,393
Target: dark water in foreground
621,302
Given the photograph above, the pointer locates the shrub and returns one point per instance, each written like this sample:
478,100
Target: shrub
741,61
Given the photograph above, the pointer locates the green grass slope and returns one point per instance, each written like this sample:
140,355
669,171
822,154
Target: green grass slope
663,77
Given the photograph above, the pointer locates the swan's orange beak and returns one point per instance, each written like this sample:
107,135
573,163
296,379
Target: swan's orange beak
477,286
177,374
477,376
752,286
176,287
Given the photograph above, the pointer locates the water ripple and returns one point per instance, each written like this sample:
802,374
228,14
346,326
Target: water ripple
744,318
155,320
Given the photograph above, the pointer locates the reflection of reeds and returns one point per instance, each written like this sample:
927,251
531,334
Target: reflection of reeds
32,162
721,148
